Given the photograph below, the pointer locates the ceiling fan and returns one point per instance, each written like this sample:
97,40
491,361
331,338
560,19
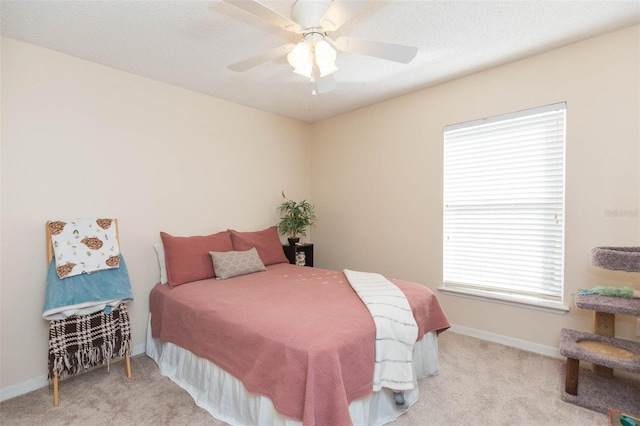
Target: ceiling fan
315,54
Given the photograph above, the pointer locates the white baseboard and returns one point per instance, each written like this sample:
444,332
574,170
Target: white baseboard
508,341
22,388
42,381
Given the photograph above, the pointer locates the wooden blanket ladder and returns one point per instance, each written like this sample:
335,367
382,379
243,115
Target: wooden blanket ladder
127,361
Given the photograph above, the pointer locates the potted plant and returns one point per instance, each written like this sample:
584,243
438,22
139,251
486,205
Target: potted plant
295,218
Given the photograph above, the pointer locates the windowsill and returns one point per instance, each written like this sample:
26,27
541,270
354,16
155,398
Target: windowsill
506,299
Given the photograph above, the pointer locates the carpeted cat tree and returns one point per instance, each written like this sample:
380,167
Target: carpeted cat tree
599,390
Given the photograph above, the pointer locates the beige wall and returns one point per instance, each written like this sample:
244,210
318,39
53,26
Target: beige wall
377,176
83,140
80,139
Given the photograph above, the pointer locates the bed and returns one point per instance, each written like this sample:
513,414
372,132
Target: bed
284,344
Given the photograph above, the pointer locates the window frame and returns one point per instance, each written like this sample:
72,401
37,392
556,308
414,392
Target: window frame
553,303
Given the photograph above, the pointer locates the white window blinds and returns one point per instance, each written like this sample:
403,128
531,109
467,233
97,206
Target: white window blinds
504,204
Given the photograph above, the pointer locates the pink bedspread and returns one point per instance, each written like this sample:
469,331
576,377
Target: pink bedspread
299,335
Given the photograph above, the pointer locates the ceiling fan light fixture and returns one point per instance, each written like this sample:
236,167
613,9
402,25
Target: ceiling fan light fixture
327,69
313,50
325,57
304,71
324,51
300,56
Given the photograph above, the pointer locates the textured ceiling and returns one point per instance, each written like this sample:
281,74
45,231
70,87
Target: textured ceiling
190,43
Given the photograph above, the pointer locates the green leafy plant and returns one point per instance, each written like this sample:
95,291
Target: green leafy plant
295,217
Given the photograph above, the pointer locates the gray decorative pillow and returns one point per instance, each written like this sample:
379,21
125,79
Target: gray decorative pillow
228,264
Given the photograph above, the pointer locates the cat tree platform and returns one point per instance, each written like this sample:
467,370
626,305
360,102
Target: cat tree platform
619,354
616,258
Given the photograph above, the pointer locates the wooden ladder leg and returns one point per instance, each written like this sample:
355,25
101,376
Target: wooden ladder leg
571,381
56,399
127,364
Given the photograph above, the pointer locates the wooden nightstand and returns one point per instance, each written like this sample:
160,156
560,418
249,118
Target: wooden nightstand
290,252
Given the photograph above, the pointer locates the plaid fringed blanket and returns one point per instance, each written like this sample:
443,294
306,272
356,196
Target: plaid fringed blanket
84,341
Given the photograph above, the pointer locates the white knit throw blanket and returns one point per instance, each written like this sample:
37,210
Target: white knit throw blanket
396,329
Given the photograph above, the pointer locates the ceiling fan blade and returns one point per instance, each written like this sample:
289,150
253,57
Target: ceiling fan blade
262,58
325,84
340,12
261,11
388,51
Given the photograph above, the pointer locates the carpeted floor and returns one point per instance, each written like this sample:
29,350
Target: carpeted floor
480,383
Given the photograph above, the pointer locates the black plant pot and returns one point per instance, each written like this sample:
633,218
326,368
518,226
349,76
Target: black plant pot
293,241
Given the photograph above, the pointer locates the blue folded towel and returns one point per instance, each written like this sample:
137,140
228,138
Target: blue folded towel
86,293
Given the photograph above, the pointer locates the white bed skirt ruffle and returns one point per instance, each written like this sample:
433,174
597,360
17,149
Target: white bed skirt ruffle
225,397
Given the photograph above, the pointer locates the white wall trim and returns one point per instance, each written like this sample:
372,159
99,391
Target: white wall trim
508,341
42,381
22,388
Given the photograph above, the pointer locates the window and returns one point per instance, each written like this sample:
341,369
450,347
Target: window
504,206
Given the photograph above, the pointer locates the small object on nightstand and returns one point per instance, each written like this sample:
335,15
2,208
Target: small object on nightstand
292,253
300,257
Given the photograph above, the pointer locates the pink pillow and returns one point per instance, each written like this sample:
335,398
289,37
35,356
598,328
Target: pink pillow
267,242
188,259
